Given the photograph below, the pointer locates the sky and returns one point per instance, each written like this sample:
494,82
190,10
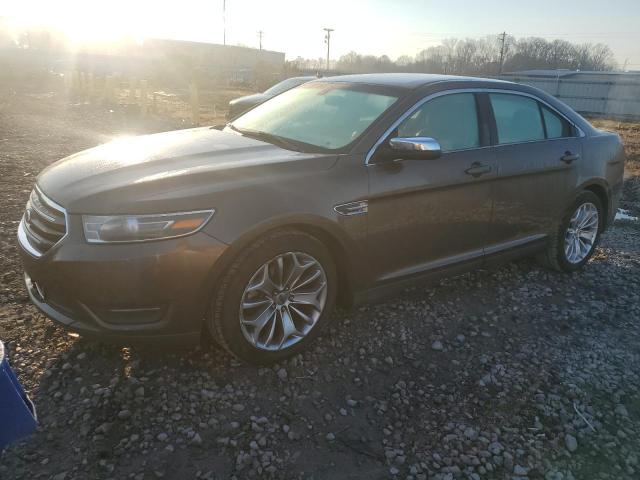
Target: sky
377,27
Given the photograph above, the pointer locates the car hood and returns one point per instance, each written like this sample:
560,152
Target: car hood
250,99
171,171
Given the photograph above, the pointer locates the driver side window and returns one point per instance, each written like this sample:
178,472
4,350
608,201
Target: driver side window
450,119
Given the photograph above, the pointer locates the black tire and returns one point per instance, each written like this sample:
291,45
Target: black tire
223,320
554,257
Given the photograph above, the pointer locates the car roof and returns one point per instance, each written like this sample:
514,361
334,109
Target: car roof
306,77
405,80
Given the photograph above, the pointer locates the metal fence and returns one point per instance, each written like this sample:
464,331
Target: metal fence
614,98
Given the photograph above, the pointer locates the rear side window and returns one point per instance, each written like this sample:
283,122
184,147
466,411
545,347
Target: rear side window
557,127
451,119
517,117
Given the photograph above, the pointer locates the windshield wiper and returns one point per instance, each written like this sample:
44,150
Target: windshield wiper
268,137
233,127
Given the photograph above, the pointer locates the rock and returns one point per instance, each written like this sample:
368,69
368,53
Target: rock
104,428
124,414
570,442
520,471
470,433
330,436
238,407
282,374
622,411
162,437
437,345
495,448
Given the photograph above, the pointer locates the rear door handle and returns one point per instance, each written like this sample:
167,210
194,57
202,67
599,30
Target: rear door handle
569,157
476,169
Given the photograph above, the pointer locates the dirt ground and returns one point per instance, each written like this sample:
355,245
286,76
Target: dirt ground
515,372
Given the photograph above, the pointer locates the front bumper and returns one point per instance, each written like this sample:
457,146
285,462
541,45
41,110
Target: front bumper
126,292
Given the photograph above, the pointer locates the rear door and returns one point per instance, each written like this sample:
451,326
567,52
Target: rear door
537,154
428,214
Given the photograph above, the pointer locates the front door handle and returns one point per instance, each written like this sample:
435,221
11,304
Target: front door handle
476,169
569,157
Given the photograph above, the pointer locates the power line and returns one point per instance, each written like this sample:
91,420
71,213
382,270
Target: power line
503,36
224,22
327,40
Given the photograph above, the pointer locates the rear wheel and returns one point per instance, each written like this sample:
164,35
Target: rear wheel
275,297
575,239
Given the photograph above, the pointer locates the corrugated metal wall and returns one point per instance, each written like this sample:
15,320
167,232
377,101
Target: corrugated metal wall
617,96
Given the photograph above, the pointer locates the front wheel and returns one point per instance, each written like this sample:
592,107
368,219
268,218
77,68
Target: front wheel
577,235
275,297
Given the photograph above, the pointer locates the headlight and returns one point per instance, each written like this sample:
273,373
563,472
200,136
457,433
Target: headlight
136,228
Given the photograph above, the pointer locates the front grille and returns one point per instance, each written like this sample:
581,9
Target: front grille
44,222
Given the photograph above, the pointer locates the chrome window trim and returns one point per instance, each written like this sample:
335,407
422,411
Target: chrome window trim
22,236
424,100
550,107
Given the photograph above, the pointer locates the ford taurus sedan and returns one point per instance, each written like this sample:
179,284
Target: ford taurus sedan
337,191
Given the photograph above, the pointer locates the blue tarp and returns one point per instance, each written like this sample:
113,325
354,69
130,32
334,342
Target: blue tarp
17,413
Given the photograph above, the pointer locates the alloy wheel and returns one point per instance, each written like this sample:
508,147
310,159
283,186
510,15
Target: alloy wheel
581,234
283,301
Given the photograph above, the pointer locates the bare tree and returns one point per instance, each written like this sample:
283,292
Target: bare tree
482,57
404,61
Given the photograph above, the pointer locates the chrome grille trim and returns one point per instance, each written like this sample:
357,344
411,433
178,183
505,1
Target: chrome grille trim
44,224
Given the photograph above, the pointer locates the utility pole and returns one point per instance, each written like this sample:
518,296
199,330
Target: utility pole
260,34
503,37
327,40
224,22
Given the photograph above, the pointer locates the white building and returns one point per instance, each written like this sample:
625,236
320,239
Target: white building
614,94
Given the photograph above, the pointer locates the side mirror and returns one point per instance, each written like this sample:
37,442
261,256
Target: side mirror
416,148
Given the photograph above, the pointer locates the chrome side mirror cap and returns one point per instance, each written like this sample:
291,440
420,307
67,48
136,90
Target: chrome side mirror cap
416,148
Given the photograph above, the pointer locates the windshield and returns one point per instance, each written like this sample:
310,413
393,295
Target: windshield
285,85
325,115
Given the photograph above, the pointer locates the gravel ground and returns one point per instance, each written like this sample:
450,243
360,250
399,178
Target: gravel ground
515,372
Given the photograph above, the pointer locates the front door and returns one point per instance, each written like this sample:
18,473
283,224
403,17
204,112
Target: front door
429,214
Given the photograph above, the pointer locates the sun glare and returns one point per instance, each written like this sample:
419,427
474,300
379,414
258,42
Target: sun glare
83,31
86,22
